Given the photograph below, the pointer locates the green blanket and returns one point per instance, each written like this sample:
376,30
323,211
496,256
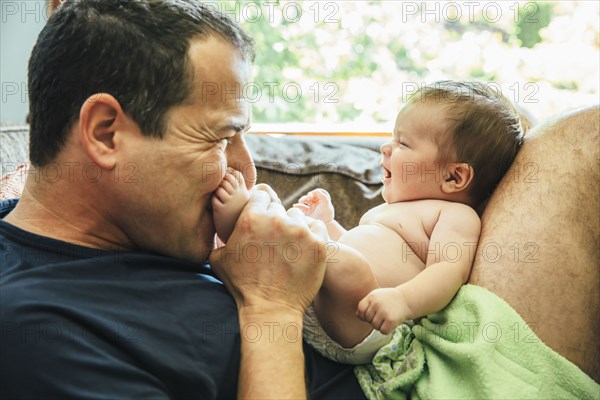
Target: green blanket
476,348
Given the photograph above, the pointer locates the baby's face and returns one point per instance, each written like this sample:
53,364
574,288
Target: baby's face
409,159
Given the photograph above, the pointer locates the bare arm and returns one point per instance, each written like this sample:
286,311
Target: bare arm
450,256
271,346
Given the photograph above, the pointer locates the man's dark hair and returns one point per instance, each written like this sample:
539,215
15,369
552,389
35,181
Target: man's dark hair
135,50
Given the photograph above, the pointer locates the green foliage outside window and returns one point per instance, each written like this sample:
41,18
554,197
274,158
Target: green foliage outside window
341,61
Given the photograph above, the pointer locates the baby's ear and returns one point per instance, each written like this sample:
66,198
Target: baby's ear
457,177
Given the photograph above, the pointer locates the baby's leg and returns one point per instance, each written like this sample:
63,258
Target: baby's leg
348,278
228,202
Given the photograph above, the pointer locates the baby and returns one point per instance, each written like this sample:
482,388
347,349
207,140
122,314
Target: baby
407,258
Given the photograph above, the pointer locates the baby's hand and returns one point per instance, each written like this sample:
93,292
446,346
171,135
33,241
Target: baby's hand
317,204
384,309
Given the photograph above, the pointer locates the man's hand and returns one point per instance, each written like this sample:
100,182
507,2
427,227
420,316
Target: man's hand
273,265
384,309
317,204
273,260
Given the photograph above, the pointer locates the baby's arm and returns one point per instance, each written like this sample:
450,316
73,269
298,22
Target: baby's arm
317,204
449,260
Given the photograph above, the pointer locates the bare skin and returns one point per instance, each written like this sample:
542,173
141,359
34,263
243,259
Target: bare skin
554,283
418,254
397,264
549,202
228,202
167,212
408,257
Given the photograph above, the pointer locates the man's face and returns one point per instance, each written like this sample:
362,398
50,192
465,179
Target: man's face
411,170
168,209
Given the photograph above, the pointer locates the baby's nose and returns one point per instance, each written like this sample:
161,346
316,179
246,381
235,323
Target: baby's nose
385,149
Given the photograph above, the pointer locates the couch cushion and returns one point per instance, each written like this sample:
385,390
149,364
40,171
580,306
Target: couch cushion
14,148
348,169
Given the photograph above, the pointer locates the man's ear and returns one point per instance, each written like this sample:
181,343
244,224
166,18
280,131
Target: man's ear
101,118
457,177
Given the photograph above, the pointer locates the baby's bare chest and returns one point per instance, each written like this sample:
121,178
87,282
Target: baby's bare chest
412,223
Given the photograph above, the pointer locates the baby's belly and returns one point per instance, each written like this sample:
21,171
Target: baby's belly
392,260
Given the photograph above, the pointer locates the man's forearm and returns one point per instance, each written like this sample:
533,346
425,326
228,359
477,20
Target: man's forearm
272,359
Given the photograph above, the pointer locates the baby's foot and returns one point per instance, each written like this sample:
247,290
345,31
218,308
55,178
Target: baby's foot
317,205
228,201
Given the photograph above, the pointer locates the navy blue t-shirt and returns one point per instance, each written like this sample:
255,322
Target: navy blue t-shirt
82,322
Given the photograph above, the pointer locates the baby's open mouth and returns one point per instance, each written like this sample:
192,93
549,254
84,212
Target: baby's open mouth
386,172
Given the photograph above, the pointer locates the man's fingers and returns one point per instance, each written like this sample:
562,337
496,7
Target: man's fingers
297,215
277,208
319,229
259,201
267,189
214,260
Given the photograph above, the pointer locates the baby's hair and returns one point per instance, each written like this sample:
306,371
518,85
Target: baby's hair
483,130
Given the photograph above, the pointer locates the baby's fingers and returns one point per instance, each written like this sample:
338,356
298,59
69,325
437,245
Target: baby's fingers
387,327
365,310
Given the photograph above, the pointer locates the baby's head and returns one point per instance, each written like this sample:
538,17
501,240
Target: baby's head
452,141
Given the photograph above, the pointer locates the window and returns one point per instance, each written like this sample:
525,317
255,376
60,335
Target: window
324,63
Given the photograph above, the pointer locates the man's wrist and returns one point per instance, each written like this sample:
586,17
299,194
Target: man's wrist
271,343
275,320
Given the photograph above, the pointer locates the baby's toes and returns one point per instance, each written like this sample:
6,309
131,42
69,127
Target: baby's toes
228,185
216,202
239,179
322,193
221,195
